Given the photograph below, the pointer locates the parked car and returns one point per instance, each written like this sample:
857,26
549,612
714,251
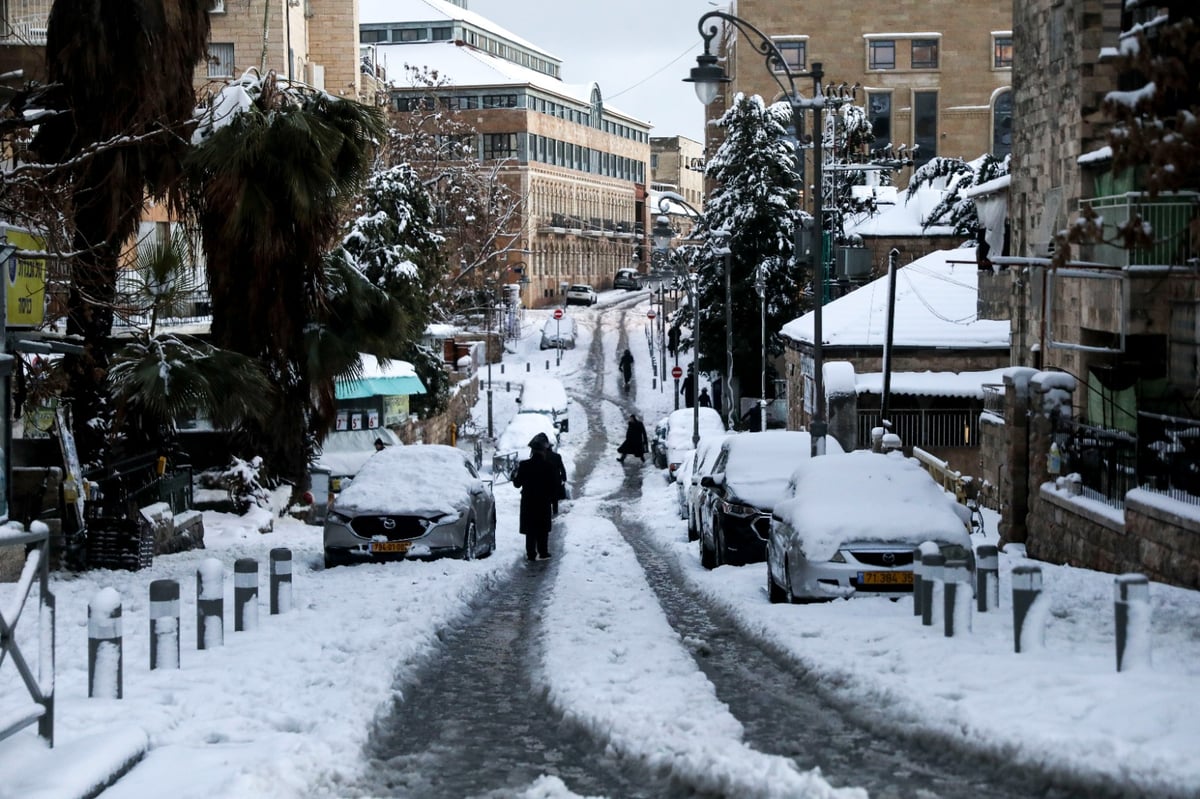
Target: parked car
545,395
559,333
747,479
420,501
512,445
683,479
703,459
679,431
581,294
342,454
848,525
628,279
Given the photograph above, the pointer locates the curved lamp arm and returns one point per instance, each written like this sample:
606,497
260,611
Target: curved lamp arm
775,63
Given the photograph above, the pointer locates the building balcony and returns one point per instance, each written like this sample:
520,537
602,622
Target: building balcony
1168,217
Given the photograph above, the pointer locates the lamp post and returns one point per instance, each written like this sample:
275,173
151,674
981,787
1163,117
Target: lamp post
707,76
760,287
662,234
488,350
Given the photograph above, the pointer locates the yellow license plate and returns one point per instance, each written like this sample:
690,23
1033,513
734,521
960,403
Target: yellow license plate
885,578
394,547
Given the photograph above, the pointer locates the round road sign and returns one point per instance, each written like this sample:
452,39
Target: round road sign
558,313
650,314
676,372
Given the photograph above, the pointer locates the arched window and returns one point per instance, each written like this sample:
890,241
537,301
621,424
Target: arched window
597,107
1002,124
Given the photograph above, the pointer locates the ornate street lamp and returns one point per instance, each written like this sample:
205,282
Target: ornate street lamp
707,77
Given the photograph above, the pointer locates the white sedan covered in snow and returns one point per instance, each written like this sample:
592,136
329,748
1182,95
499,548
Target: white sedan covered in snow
848,525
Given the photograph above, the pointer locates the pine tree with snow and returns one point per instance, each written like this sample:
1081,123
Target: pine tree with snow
755,204
955,176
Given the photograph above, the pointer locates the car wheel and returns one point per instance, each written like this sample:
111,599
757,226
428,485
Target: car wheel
774,593
472,541
692,532
719,555
708,558
332,559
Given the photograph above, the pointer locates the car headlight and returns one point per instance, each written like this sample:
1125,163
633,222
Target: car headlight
334,516
838,557
735,509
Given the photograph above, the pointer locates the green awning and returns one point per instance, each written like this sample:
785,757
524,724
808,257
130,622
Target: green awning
403,385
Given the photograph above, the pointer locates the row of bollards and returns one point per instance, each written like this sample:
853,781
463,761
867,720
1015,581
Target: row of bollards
105,647
941,597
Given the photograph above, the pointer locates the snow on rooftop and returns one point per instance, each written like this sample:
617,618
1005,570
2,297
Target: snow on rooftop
935,307
381,11
929,384
898,215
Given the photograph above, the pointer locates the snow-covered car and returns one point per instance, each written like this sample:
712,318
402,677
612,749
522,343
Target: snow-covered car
545,395
703,459
628,279
848,525
681,426
581,294
559,334
748,477
683,479
421,501
513,444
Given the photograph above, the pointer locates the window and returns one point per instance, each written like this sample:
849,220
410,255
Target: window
499,101
1002,52
879,113
924,53
372,37
883,54
654,160
217,7
925,131
1002,125
499,145
442,34
410,35
793,52
220,60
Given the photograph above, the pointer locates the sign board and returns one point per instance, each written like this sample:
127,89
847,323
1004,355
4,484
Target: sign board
558,314
25,284
395,410
676,372
650,314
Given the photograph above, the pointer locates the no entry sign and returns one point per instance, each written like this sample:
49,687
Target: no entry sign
558,313
676,372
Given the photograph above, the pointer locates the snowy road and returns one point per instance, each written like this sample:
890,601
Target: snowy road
478,721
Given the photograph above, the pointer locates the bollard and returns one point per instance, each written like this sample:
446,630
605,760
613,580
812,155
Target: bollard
919,573
245,594
502,367
507,387
104,645
933,566
1132,605
957,603
547,364
210,604
164,624
281,580
1028,633
987,578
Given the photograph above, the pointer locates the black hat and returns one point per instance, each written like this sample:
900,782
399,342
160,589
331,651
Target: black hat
540,441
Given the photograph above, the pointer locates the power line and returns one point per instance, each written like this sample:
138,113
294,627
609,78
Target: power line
690,48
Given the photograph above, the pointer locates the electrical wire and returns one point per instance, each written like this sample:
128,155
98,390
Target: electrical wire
658,71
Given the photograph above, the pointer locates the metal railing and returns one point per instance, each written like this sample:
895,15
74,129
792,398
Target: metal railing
1104,459
40,686
934,428
1168,456
993,398
1169,216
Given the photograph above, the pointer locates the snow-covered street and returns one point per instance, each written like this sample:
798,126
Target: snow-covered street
288,709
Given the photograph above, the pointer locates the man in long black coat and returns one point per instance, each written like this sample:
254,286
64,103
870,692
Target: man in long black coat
538,479
636,441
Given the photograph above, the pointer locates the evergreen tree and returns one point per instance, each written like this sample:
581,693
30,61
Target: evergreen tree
755,204
955,176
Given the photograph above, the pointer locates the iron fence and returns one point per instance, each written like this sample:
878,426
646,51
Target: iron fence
993,398
935,428
1168,456
1104,459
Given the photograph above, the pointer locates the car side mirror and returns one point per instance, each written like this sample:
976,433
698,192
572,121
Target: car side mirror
707,481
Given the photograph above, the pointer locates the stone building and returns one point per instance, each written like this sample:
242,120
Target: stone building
580,165
677,164
1091,444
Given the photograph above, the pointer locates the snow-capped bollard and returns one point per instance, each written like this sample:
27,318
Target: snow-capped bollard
1132,606
245,594
281,580
933,564
1029,628
164,624
987,578
527,365
925,548
210,604
104,645
957,605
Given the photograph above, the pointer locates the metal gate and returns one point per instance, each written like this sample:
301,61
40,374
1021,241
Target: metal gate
41,686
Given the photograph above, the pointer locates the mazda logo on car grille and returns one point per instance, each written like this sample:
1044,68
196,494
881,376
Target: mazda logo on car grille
389,523
889,559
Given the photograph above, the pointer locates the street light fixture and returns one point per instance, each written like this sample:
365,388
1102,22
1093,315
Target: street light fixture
707,76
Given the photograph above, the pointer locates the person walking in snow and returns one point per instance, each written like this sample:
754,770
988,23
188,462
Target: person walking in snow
627,367
704,400
688,390
636,442
538,479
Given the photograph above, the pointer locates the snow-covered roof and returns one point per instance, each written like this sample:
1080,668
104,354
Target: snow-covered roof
897,214
416,480
935,307
931,384
466,67
371,12
398,378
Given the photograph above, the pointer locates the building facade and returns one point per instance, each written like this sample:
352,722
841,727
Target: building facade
677,164
580,167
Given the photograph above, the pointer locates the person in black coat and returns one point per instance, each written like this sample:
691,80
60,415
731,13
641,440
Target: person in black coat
688,389
538,479
627,367
636,442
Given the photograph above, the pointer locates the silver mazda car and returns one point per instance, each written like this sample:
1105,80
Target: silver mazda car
420,501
